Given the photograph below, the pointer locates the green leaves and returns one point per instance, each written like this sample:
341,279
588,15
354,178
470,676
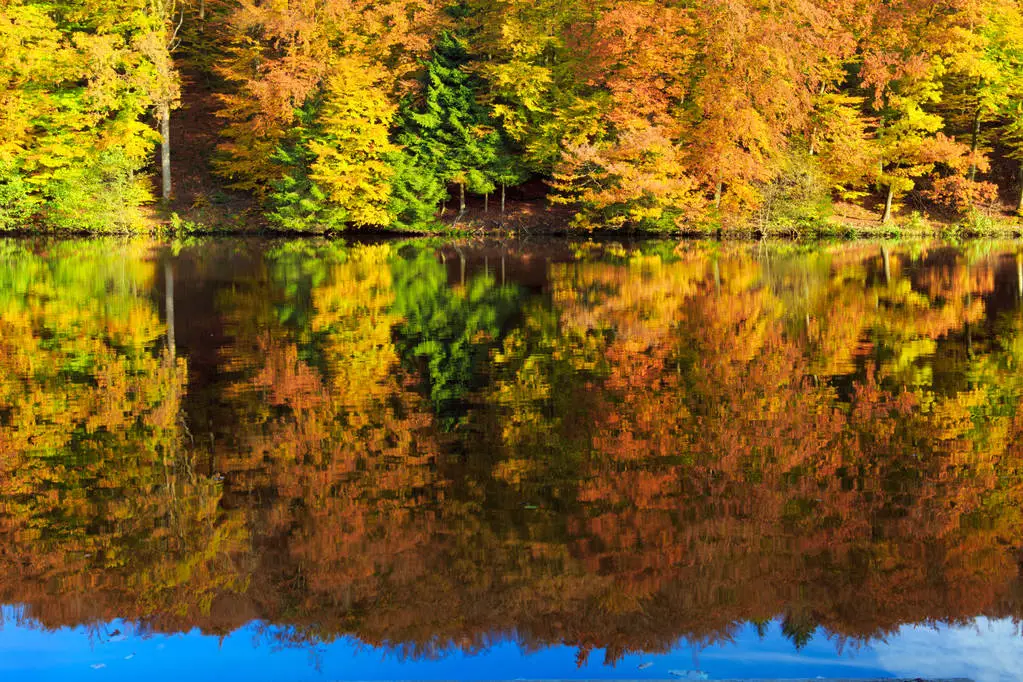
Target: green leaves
450,328
448,131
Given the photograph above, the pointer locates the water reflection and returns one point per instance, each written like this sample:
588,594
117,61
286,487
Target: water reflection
435,447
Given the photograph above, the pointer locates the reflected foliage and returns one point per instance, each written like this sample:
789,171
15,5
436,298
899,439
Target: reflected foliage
99,496
429,446
449,328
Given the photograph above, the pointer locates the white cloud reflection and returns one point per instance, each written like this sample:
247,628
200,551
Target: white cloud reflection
987,651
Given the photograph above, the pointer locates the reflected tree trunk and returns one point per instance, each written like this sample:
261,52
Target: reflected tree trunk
969,329
1019,276
168,284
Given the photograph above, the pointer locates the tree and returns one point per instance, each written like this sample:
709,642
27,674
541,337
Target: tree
757,72
166,89
630,167
446,129
416,190
338,168
78,78
904,58
843,139
525,56
336,69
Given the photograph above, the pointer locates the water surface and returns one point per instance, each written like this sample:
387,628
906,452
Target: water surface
322,460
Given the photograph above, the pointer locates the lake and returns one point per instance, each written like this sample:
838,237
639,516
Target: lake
424,459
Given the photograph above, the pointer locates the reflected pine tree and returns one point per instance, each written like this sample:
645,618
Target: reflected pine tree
450,328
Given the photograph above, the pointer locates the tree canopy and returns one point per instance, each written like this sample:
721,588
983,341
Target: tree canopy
660,115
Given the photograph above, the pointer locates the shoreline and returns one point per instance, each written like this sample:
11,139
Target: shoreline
840,231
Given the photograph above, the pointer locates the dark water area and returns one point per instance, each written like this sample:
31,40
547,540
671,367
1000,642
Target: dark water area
311,460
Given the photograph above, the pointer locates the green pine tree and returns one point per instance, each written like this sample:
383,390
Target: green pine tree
448,130
416,192
296,202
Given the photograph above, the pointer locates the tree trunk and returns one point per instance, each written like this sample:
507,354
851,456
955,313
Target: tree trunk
1019,204
502,199
165,148
888,206
486,202
974,145
461,199
717,194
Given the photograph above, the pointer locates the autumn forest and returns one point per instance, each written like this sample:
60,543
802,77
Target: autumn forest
677,115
